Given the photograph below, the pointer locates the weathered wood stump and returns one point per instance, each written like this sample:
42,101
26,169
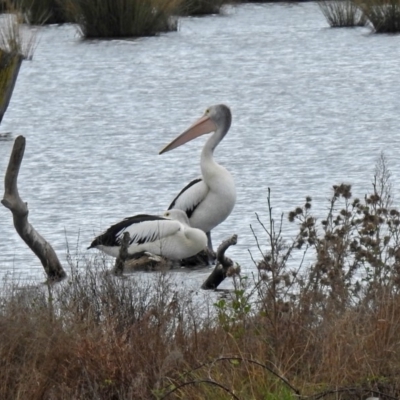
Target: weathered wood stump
225,266
19,209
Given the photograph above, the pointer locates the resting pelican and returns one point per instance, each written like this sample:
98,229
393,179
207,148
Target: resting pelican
208,200
169,236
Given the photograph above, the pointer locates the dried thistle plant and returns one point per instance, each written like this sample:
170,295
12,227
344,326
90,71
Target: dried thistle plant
353,253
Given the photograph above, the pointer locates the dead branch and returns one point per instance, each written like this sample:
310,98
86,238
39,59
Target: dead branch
19,209
224,264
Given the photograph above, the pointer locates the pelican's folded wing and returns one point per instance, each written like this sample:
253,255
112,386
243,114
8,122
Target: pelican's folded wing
142,228
190,196
151,231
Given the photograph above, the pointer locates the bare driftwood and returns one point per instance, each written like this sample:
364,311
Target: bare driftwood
19,209
225,266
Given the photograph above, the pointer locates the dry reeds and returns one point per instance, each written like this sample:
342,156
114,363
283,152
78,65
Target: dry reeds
14,37
326,327
342,13
201,7
384,15
39,12
16,44
123,18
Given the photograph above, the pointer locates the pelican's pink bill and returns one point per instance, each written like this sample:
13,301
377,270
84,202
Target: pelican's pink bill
200,127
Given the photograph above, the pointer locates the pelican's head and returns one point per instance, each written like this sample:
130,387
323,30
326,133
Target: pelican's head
177,215
218,116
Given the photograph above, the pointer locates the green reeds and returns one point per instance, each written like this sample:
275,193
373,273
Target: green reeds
201,7
123,18
384,15
342,13
15,45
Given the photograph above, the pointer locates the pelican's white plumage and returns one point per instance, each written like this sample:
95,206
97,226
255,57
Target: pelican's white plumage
210,199
170,236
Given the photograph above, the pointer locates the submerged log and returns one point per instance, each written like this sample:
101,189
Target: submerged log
225,266
10,64
19,209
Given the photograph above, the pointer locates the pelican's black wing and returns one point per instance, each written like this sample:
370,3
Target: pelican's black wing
113,235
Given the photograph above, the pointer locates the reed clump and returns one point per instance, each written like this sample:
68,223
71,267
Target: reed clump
384,15
325,326
16,44
342,13
201,7
40,12
123,18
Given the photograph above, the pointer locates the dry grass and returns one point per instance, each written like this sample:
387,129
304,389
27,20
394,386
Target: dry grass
327,328
342,13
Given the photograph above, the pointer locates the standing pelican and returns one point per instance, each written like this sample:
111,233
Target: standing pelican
208,200
169,236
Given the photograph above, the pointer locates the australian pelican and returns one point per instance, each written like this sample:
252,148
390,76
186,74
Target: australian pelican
170,236
210,199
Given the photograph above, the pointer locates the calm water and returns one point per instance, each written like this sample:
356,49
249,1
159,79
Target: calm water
312,106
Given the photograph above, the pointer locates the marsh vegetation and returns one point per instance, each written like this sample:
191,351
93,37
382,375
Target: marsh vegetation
325,329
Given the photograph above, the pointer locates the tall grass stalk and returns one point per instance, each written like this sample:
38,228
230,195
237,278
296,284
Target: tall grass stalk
342,13
384,15
123,18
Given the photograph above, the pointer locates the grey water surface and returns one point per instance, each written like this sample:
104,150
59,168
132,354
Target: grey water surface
312,107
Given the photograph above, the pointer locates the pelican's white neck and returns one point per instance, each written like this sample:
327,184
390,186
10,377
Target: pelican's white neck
208,165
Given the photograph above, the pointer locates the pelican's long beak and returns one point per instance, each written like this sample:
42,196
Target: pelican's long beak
200,127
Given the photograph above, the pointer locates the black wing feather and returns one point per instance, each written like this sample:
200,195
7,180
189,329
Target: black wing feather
190,211
112,236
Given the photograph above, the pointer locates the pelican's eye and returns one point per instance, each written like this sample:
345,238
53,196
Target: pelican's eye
167,214
207,111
